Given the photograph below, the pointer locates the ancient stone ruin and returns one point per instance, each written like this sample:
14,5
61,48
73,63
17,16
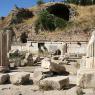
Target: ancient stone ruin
86,74
4,48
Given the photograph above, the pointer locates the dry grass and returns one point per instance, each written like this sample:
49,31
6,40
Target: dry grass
84,20
86,17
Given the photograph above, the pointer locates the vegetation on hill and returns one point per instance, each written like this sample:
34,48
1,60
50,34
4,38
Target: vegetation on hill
39,2
84,20
81,2
47,21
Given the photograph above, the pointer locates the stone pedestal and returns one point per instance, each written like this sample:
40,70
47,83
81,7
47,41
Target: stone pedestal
86,78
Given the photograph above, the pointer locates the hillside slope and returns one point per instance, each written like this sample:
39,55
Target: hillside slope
81,22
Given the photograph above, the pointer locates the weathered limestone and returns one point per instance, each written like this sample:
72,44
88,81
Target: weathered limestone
40,74
4,78
23,62
90,62
86,78
45,63
72,68
86,74
57,68
9,39
91,51
19,78
12,65
63,49
3,52
55,83
36,59
29,58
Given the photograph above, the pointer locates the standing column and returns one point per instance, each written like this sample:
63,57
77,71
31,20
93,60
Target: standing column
3,52
63,49
8,33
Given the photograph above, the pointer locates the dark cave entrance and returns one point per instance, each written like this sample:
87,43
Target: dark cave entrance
59,10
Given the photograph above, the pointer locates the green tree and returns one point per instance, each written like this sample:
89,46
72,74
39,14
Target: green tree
39,2
60,23
47,21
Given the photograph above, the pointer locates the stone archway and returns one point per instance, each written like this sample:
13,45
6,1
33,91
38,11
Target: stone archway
59,10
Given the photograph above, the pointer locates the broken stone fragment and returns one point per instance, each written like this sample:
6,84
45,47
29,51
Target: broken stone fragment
40,74
54,83
45,63
57,68
12,65
23,62
19,78
86,78
29,58
36,59
4,78
4,69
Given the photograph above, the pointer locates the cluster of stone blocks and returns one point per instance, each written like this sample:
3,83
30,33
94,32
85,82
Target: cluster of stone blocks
17,78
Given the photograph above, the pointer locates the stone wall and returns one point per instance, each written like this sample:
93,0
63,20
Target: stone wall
73,47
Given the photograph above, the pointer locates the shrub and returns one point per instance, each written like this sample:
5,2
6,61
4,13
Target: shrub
47,21
39,2
60,23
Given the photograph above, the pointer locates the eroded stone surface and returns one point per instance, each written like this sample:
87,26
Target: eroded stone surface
40,74
57,82
57,68
4,78
45,63
19,78
86,78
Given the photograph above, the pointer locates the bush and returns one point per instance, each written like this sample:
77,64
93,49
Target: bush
39,2
60,23
47,21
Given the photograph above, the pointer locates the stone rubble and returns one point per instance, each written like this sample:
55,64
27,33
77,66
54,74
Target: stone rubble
86,78
40,74
19,78
45,63
4,78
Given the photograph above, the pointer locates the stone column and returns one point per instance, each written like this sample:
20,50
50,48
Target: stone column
86,75
3,52
9,34
90,55
63,49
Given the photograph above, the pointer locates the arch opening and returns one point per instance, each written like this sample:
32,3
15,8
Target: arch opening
59,10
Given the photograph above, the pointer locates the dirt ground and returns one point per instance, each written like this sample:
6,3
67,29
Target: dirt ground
30,89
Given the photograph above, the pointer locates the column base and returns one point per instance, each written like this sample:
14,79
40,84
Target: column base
4,69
